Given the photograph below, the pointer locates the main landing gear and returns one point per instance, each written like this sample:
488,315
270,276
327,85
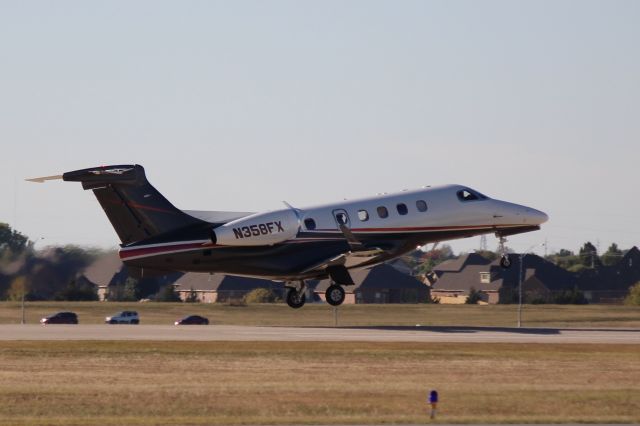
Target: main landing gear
505,262
334,295
296,297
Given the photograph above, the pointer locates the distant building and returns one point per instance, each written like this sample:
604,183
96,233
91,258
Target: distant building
219,288
610,284
380,284
102,271
109,274
453,280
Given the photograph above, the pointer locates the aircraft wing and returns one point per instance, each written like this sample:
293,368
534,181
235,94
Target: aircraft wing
348,260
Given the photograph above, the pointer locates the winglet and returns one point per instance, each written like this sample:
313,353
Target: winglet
44,178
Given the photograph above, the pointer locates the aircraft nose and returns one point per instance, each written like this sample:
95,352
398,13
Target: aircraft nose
536,216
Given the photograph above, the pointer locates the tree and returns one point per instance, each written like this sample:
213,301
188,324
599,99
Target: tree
77,291
167,294
488,254
260,295
565,259
570,297
125,292
612,255
432,258
589,255
18,289
633,298
474,297
11,241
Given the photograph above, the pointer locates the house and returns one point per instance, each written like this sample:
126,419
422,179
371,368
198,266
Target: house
219,288
102,271
452,281
610,284
380,284
109,275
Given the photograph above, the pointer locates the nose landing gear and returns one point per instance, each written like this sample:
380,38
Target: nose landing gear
505,262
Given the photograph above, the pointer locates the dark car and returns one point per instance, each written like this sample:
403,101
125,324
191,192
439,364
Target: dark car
193,320
61,318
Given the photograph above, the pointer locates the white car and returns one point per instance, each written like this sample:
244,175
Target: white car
124,317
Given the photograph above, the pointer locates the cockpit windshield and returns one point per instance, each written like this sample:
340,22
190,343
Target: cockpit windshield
468,194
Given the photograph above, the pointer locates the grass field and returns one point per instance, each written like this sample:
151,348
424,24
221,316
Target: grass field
198,383
348,315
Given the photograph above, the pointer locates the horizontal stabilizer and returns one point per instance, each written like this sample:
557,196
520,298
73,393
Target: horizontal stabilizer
44,178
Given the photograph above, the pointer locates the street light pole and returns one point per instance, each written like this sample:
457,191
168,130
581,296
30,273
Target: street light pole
522,255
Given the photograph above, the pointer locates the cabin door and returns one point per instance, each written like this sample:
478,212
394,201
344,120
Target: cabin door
341,217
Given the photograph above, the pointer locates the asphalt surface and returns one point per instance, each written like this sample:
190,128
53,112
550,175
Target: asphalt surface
315,334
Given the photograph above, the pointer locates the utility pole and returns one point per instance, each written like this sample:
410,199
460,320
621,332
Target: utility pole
522,255
23,321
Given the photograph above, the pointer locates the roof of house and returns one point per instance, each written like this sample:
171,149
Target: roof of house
466,272
620,276
382,277
103,269
401,265
550,275
468,277
456,265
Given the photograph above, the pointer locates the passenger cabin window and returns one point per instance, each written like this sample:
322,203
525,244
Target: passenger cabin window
469,195
421,205
382,212
310,224
363,215
402,209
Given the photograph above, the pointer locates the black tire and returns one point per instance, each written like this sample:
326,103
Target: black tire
295,300
334,295
135,322
505,262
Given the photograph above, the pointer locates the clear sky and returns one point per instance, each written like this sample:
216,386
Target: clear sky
239,105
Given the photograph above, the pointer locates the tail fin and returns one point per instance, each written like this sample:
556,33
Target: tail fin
134,207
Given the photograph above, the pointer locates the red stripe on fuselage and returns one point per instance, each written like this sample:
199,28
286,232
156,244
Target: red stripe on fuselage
419,228
144,251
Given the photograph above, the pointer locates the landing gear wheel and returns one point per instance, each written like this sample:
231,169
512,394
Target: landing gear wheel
334,295
505,262
295,299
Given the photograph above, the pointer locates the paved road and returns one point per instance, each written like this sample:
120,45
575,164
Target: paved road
360,334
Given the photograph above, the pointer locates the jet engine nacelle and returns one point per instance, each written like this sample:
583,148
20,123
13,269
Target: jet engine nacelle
258,230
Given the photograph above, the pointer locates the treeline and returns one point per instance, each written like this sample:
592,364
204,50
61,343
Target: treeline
56,273
587,257
51,274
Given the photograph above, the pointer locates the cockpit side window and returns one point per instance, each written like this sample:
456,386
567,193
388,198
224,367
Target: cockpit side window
470,195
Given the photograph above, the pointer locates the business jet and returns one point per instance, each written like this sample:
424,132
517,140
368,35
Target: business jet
292,244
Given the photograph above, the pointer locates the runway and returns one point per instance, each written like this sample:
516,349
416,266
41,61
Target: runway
316,334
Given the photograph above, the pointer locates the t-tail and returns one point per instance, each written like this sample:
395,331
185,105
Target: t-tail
135,208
